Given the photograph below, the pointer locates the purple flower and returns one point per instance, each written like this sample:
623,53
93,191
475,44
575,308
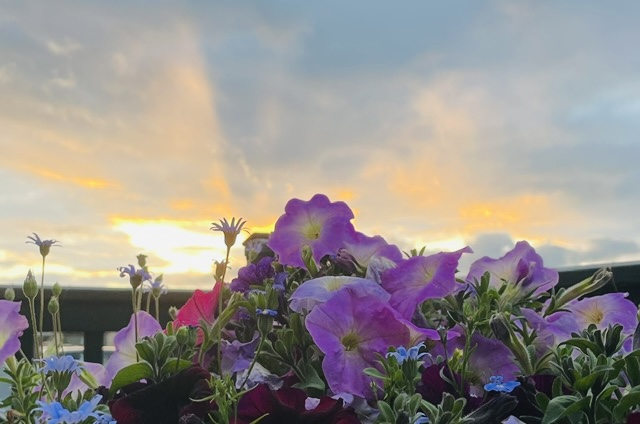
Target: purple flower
420,278
489,357
522,268
237,356
156,287
13,324
319,290
44,245
136,276
605,310
125,342
230,230
318,223
497,385
363,248
350,330
96,372
253,274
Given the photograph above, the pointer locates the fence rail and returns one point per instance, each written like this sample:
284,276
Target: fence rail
94,312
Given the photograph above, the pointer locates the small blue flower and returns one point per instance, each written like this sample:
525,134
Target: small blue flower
61,364
44,245
497,385
54,412
422,419
266,312
401,354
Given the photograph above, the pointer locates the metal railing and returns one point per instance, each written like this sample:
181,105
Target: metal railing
95,312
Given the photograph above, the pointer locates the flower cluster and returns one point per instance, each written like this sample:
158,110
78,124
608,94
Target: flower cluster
339,327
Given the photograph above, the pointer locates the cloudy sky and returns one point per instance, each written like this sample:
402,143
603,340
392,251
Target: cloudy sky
128,127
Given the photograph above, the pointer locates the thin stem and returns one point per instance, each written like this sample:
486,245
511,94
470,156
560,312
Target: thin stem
135,317
42,308
61,333
148,302
224,273
54,323
36,349
255,359
157,301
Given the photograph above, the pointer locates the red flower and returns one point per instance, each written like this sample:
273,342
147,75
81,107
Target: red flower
287,406
200,307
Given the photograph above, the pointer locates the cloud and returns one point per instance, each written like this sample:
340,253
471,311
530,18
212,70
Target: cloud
63,47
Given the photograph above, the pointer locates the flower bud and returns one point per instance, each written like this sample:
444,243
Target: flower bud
220,270
53,306
182,336
500,327
30,286
142,260
57,289
9,294
173,312
598,280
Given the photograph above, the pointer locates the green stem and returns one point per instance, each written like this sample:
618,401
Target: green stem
157,302
36,348
255,359
224,273
135,317
54,323
149,303
42,309
61,333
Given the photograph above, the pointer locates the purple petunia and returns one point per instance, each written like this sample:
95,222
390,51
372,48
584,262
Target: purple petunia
13,324
605,310
319,290
420,278
320,224
350,330
125,342
522,268
361,249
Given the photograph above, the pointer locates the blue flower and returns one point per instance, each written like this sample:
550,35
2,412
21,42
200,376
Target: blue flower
44,245
61,364
422,419
401,354
497,385
156,287
136,276
230,230
266,312
54,412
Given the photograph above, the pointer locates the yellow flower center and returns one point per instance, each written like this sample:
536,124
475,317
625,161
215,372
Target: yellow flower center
350,341
312,230
595,315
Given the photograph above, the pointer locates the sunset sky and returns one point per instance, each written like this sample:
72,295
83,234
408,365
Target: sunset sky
129,127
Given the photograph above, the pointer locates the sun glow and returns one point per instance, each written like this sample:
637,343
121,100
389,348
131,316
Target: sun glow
186,247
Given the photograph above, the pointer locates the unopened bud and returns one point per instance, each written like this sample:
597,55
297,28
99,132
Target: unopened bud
30,286
53,306
142,260
182,336
220,270
57,289
500,327
309,262
9,294
173,312
598,280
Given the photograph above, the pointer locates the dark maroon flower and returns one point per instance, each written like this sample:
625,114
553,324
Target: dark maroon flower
633,418
287,406
433,386
165,402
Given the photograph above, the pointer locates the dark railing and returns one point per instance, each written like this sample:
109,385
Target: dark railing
94,312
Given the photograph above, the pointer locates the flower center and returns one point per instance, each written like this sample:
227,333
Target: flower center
312,230
350,341
595,315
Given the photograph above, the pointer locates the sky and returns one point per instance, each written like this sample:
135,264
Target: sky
129,127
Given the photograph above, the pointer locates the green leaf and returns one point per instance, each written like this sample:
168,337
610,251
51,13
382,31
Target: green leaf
174,366
631,399
311,379
131,374
564,406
